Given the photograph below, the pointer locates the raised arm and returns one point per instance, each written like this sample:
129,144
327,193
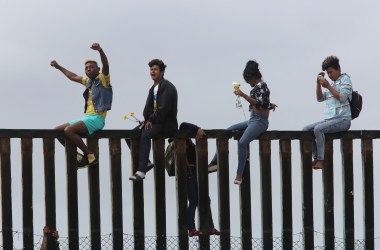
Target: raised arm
318,89
103,57
72,76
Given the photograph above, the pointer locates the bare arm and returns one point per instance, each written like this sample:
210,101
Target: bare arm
249,99
103,57
318,90
72,76
44,240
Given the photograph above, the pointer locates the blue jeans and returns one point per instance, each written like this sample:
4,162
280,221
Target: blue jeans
253,128
322,127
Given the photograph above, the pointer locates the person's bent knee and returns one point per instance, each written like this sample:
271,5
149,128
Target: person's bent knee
242,143
58,128
61,127
69,130
317,130
146,137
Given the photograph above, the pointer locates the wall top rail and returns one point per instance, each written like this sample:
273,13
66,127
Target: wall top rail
211,133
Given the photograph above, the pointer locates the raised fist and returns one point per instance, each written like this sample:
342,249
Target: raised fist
96,46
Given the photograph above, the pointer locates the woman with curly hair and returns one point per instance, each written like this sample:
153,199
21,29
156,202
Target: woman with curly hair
259,106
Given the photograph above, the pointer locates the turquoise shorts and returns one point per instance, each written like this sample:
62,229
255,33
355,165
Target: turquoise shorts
93,122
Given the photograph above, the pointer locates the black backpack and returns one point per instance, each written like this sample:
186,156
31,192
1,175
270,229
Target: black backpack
356,103
170,159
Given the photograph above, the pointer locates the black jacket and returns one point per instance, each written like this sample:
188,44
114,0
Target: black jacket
191,152
166,113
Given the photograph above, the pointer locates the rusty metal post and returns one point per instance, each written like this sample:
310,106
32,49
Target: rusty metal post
307,193
27,192
6,192
328,195
286,191
203,192
94,195
50,200
369,218
116,192
245,205
224,193
160,192
72,195
348,193
181,181
266,193
138,199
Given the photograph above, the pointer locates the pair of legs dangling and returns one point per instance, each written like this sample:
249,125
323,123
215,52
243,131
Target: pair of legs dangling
88,125
320,129
253,128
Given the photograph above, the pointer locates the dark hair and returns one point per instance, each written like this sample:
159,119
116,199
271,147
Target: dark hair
159,63
251,71
331,61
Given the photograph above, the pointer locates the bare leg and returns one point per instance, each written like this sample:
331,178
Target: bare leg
72,132
46,230
62,127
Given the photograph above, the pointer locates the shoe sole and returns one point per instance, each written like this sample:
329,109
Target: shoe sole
89,165
237,182
213,169
133,178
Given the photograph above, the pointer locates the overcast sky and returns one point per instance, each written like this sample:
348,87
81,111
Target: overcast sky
205,45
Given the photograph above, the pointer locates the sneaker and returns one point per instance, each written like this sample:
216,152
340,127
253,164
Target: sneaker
212,167
194,232
137,177
214,231
79,157
86,162
237,182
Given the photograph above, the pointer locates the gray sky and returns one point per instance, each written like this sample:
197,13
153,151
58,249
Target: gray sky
205,45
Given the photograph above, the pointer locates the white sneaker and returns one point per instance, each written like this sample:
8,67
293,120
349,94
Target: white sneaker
212,168
138,176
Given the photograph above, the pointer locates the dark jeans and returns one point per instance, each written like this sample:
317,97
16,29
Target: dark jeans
145,145
192,196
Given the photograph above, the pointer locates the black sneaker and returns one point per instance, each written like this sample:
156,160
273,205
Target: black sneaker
136,177
79,157
84,163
